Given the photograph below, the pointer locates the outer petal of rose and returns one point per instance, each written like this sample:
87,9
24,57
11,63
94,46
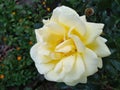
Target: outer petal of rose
57,28
53,76
100,64
44,68
62,9
61,68
99,47
69,18
38,33
39,53
83,18
78,43
90,61
93,31
81,80
45,21
76,72
65,64
48,36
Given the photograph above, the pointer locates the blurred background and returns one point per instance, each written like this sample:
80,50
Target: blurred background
19,19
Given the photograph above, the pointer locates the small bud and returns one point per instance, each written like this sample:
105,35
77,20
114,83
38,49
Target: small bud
89,11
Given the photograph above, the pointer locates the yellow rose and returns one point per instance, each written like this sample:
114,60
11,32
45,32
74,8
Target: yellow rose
68,48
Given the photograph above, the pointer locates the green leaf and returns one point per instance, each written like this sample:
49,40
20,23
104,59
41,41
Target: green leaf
117,1
116,64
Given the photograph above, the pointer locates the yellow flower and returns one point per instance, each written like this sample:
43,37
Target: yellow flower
68,48
43,2
13,13
48,9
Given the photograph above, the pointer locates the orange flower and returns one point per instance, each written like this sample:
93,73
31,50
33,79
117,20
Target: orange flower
18,48
30,43
19,58
2,76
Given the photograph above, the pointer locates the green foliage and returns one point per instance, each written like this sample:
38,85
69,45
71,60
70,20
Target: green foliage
17,24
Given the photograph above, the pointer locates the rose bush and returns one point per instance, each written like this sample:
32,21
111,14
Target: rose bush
68,48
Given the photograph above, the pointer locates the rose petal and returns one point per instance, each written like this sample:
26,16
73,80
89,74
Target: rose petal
46,21
53,26
83,18
60,10
65,64
77,70
65,46
61,68
78,43
99,47
39,53
38,33
81,80
48,36
53,76
90,61
93,31
44,68
69,18
100,64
